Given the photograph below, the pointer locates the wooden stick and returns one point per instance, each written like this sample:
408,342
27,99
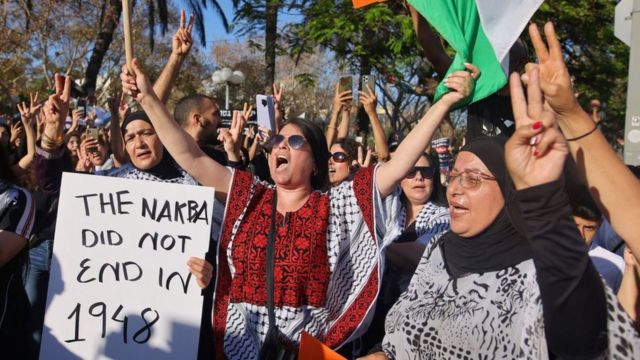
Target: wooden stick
128,40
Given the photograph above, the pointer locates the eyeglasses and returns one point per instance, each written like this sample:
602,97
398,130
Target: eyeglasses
469,179
339,156
294,141
425,171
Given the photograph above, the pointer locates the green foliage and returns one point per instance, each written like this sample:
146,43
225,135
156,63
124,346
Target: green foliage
597,60
379,36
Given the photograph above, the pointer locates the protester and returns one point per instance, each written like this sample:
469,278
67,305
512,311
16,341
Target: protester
511,277
17,211
609,265
310,292
604,172
423,218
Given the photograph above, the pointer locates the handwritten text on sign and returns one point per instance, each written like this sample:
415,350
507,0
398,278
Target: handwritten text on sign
120,287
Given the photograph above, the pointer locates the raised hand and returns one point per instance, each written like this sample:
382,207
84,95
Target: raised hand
246,110
182,40
56,109
231,138
461,83
536,152
368,100
136,85
555,80
16,133
28,114
277,94
341,99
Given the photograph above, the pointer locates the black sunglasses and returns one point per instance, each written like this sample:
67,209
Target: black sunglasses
294,141
425,171
339,156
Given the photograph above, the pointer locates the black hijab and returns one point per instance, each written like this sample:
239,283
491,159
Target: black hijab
500,245
166,169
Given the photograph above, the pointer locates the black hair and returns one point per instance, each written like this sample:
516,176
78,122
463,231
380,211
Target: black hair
587,212
318,143
350,147
189,103
5,167
438,192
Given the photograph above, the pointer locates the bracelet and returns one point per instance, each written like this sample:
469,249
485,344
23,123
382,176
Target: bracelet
585,134
51,143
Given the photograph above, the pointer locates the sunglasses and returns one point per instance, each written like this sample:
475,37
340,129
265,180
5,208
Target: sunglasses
294,141
339,157
425,171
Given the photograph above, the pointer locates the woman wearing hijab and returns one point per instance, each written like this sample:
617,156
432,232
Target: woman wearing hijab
512,279
325,245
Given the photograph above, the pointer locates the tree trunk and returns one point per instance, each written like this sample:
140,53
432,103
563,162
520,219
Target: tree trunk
108,26
271,37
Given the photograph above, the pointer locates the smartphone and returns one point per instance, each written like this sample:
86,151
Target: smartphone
93,133
82,105
367,80
266,112
346,84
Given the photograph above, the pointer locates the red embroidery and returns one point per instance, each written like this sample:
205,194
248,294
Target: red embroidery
301,270
238,198
353,316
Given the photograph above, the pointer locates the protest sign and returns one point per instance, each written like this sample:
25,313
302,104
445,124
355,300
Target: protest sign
120,287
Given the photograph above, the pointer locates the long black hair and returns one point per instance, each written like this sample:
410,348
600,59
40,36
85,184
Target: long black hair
316,139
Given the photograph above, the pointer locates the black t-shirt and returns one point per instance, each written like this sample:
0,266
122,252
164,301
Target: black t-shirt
490,117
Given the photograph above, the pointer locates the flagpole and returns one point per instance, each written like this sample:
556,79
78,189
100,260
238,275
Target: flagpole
128,41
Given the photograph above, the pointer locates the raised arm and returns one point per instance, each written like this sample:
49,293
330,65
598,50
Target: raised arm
181,44
390,173
535,156
340,100
27,117
369,102
604,172
118,109
345,118
430,43
178,142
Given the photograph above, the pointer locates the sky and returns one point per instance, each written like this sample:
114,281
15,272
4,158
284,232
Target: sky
215,31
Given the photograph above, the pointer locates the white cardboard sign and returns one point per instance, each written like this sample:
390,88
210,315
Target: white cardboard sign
120,287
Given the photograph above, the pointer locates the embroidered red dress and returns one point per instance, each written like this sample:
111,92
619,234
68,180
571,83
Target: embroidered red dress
326,264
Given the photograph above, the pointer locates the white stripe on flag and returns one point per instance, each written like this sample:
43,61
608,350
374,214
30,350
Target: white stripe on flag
503,22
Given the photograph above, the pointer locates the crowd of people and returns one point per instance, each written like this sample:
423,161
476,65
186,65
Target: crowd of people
409,249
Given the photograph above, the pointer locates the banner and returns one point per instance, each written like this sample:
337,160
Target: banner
119,286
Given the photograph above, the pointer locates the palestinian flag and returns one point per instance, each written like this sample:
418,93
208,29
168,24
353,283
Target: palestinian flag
481,32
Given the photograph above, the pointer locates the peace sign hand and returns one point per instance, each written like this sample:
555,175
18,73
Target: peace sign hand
535,153
555,80
182,40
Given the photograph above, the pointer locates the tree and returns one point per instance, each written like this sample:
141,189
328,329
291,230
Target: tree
596,59
109,20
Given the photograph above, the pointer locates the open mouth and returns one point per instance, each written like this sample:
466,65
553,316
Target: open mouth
281,161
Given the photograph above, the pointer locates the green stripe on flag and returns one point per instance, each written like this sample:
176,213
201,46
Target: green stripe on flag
458,23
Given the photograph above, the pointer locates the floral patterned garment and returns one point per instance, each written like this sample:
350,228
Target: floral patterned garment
326,263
